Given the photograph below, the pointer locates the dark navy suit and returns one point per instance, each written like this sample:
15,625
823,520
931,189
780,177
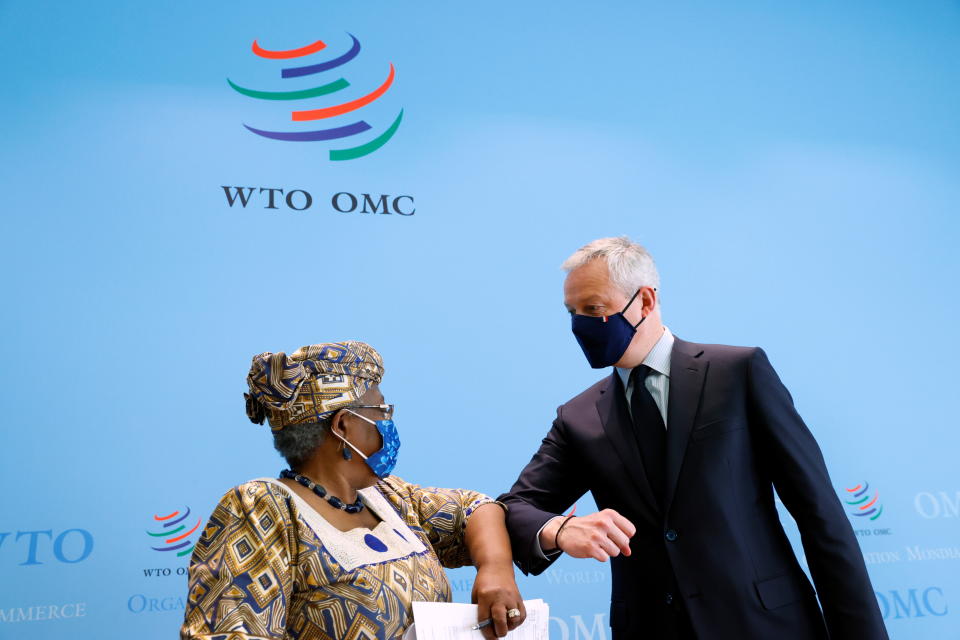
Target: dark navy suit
714,555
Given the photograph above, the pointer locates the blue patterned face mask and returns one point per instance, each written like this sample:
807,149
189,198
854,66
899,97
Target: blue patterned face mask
383,460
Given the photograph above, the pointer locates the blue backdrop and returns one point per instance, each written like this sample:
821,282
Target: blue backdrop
793,169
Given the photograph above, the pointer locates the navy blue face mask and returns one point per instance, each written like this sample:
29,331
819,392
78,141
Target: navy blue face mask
604,339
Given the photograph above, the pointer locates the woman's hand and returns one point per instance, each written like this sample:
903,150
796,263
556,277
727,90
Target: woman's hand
495,593
495,590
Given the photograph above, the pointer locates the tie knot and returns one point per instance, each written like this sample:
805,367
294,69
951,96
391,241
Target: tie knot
639,373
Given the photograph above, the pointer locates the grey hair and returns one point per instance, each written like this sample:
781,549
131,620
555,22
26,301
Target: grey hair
297,442
629,264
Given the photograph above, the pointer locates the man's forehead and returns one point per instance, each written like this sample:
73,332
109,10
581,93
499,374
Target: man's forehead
590,280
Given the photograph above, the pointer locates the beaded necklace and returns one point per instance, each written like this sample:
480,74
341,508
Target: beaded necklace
334,501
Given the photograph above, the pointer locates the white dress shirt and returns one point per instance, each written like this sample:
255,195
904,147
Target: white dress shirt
658,380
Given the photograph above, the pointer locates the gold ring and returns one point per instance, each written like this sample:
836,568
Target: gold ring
513,613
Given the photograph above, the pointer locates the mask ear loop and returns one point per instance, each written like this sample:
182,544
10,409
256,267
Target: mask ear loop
347,442
628,306
629,303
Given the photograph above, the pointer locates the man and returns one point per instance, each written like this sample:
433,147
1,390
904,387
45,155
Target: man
682,447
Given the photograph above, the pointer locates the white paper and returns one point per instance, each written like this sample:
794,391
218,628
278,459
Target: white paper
454,621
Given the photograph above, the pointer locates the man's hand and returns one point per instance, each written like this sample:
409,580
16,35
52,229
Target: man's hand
602,535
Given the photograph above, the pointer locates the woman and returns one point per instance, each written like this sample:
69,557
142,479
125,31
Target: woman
337,547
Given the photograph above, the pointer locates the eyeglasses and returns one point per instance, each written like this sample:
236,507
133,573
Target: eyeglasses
386,408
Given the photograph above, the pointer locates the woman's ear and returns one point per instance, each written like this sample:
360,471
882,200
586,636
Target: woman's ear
337,423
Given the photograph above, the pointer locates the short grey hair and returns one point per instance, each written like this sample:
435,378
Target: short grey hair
630,265
297,442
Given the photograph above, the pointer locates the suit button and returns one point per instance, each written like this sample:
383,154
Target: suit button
670,535
668,598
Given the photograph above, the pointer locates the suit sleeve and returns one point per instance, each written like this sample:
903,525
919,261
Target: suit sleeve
547,486
800,477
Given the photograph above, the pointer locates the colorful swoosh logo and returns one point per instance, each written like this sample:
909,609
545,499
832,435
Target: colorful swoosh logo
862,503
175,531
320,90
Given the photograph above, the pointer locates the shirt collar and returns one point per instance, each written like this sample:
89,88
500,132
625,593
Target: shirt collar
658,359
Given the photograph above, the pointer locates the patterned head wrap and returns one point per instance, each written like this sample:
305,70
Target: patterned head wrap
311,383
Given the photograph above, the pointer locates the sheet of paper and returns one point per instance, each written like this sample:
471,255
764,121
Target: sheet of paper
453,621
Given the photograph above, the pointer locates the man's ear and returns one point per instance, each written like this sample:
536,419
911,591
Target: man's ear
649,297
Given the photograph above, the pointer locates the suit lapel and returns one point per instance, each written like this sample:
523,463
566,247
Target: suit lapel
617,424
688,368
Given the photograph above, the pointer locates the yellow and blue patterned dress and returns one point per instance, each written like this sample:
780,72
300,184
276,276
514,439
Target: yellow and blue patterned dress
269,567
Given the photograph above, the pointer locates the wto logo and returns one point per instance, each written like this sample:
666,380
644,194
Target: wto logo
174,539
862,504
319,89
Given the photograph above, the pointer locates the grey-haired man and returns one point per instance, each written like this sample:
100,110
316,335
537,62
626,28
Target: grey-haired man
682,446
